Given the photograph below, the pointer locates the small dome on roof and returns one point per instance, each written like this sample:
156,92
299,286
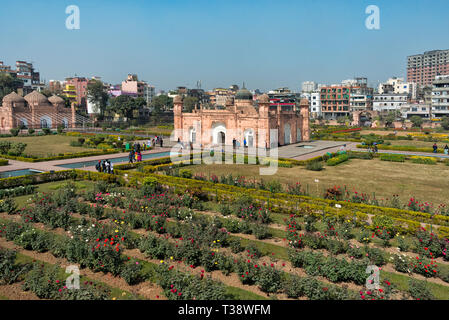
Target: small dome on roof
35,96
304,102
244,94
55,99
264,98
13,97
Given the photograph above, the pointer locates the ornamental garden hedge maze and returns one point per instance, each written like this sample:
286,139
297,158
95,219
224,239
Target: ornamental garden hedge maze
153,236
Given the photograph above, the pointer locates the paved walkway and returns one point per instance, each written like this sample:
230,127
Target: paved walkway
53,165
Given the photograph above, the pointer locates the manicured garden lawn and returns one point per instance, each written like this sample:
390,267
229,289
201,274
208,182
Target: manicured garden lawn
425,182
51,187
416,143
42,146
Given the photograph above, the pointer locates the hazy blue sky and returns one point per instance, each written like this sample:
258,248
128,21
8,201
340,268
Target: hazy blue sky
267,44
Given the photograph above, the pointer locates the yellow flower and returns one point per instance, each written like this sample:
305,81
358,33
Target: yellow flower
214,241
114,298
116,230
218,240
171,258
162,261
123,222
124,294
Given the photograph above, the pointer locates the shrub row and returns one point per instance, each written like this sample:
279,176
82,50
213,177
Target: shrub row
337,160
392,157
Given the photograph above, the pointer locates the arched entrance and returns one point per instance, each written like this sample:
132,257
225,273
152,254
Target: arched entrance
287,134
298,134
192,134
219,133
364,118
45,122
249,137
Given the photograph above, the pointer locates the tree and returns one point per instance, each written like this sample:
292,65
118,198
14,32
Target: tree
445,123
189,103
161,102
8,84
125,105
96,94
390,118
416,121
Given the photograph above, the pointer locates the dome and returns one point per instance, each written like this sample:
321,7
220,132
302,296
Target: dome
56,100
244,94
264,98
177,99
13,97
36,97
304,102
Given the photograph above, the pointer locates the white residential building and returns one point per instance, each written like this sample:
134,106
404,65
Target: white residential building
389,102
308,86
398,86
440,96
315,104
415,109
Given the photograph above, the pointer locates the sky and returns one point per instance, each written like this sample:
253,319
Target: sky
265,43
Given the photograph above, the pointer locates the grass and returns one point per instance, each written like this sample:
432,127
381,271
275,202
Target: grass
241,294
43,146
52,186
373,177
401,282
119,294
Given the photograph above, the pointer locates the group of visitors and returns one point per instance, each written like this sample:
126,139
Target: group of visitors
105,166
155,141
373,148
435,148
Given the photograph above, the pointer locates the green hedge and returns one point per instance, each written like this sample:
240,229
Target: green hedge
337,160
65,156
4,162
402,148
392,157
423,160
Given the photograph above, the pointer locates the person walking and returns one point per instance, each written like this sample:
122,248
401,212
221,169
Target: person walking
131,156
139,157
435,148
103,166
98,166
108,166
111,165
161,141
446,149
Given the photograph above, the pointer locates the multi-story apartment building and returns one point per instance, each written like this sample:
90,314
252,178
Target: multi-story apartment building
440,96
283,97
308,86
340,100
133,87
80,85
409,110
315,104
69,92
397,85
56,86
423,68
387,102
335,101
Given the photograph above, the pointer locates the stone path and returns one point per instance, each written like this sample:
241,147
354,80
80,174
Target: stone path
53,165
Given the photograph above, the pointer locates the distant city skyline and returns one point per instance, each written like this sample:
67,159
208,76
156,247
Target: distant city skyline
266,44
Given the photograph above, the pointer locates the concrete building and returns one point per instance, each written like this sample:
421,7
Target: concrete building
242,119
315,104
133,87
440,96
409,110
308,86
398,86
387,102
283,97
79,84
423,68
35,111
